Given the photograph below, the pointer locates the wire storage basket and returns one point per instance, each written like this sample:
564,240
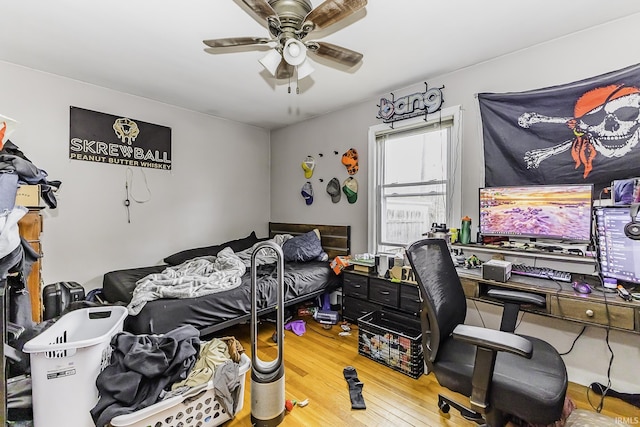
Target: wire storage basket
392,340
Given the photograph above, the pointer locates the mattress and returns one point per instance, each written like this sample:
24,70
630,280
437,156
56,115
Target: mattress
210,313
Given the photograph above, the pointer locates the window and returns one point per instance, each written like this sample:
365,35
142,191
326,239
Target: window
416,179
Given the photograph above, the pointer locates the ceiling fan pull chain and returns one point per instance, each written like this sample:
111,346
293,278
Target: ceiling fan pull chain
297,82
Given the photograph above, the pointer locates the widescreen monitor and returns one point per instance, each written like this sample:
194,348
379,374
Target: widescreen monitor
547,212
618,255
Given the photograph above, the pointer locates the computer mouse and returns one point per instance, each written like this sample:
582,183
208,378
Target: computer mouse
581,287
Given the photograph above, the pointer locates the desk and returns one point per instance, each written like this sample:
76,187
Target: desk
585,265
561,300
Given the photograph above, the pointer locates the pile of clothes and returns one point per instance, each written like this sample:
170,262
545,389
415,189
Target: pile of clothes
17,257
145,369
15,169
16,254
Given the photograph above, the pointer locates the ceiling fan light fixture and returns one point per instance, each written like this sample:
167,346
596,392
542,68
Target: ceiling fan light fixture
305,69
271,61
294,52
289,22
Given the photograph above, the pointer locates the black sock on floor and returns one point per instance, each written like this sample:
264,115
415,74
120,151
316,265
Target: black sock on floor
632,399
355,388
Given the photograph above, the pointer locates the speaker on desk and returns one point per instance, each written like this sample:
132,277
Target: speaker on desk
632,229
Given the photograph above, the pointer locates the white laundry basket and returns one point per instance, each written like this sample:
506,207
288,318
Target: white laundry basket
65,362
196,408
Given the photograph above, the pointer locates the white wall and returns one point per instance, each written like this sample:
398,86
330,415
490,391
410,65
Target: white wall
323,135
217,190
596,51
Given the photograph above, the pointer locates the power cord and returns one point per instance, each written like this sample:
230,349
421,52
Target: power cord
479,315
128,187
519,321
605,190
557,294
574,341
602,391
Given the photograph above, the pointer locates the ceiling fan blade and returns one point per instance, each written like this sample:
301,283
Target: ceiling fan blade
261,8
331,11
284,71
235,41
335,53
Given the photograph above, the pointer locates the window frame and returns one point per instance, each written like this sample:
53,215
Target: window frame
454,187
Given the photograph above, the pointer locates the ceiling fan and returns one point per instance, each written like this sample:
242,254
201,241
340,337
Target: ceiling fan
289,22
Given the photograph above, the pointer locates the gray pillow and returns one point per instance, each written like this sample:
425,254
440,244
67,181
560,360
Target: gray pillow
302,248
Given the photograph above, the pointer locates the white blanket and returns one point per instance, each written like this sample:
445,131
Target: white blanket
200,276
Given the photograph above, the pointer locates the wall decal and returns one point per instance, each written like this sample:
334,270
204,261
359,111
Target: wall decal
417,104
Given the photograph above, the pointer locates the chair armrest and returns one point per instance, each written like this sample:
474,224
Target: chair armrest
517,296
494,340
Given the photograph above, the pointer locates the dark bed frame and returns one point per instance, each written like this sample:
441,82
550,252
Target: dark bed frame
335,240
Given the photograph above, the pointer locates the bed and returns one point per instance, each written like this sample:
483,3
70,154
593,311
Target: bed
302,280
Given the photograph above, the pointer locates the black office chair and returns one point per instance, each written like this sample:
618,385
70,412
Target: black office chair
506,376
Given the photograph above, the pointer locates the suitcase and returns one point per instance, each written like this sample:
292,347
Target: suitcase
57,297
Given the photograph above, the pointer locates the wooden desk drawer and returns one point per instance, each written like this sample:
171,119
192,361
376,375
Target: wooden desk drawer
355,286
384,292
410,298
593,312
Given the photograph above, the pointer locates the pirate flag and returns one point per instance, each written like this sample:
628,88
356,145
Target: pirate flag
580,133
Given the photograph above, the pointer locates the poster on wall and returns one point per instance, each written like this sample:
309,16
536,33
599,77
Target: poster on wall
104,138
581,132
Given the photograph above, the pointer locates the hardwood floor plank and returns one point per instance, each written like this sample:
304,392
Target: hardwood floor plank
313,370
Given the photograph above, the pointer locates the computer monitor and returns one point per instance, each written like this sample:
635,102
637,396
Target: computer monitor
626,191
618,255
555,212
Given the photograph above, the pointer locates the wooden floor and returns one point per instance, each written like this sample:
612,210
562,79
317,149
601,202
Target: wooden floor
314,364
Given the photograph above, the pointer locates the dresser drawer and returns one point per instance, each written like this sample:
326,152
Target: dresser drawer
410,298
355,286
354,308
384,292
593,312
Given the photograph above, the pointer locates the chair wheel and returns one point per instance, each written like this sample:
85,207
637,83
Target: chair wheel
444,406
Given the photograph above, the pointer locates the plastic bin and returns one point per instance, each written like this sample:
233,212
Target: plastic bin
197,407
65,362
393,340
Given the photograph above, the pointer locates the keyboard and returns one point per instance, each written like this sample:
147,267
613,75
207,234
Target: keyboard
541,272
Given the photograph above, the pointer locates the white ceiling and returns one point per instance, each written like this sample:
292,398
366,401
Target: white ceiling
154,49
